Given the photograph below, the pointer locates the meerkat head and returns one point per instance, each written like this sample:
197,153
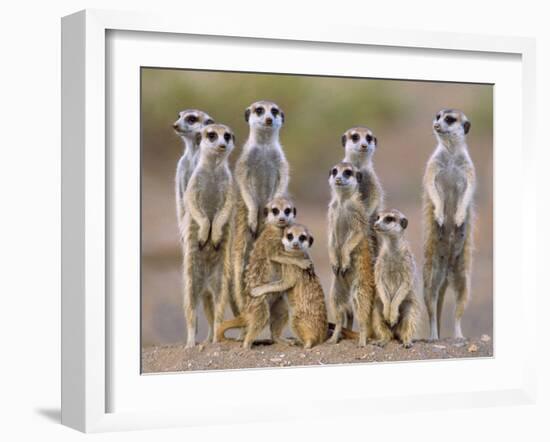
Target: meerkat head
264,115
190,121
297,238
359,142
280,212
344,177
451,125
216,140
391,222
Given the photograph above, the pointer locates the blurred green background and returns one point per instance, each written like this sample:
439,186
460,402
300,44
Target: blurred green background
317,110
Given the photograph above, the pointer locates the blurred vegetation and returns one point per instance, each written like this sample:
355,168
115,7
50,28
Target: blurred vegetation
317,110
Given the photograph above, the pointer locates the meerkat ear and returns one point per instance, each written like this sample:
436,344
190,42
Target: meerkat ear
247,114
404,223
266,211
467,126
209,121
344,140
376,141
233,136
359,176
198,138
282,117
310,240
294,211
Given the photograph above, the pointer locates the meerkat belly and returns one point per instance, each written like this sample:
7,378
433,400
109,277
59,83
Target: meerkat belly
265,180
392,276
451,183
213,197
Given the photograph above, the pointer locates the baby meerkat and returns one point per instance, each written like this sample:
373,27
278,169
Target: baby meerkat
349,251
256,313
395,310
261,173
209,201
188,124
449,183
360,145
305,294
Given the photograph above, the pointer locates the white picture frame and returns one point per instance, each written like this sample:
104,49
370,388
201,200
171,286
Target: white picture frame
89,322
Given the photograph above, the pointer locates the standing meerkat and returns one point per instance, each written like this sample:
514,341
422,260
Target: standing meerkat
449,184
188,124
261,173
395,309
349,251
360,144
209,201
258,312
304,291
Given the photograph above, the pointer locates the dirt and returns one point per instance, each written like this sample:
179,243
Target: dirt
229,355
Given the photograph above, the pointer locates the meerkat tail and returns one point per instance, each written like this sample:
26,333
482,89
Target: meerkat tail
346,332
237,322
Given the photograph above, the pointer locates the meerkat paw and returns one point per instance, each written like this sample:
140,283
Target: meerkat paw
406,344
344,269
335,269
381,342
256,291
333,339
190,344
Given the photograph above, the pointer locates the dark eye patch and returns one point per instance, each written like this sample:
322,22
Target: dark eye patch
191,119
290,237
259,111
348,173
227,136
355,138
449,119
389,219
334,171
212,136
302,238
274,111
287,211
368,138
437,117
275,211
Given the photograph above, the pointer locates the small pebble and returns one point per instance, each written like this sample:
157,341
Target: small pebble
441,347
485,338
275,359
472,348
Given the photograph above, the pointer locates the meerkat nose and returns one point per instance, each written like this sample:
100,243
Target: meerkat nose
175,125
269,121
437,126
222,146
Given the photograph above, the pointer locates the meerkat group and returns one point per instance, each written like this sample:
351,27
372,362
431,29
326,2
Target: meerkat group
241,246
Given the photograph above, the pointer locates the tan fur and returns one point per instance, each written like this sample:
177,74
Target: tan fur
209,200
449,183
256,313
350,252
396,309
261,173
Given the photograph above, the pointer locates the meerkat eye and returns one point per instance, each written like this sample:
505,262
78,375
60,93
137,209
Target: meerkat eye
369,138
290,237
274,112
212,136
275,211
191,119
259,111
287,211
227,136
389,219
209,121
348,173
355,138
449,119
302,238
437,117
334,172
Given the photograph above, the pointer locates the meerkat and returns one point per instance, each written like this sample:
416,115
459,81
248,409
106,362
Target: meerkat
256,313
209,201
360,143
302,286
449,183
395,310
188,124
261,173
350,251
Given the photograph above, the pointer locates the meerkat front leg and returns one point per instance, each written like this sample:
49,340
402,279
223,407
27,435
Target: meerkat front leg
282,186
198,216
222,218
433,194
333,255
466,198
281,285
303,263
252,209
396,301
347,249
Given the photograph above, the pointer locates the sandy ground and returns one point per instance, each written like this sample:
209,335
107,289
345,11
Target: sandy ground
230,355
